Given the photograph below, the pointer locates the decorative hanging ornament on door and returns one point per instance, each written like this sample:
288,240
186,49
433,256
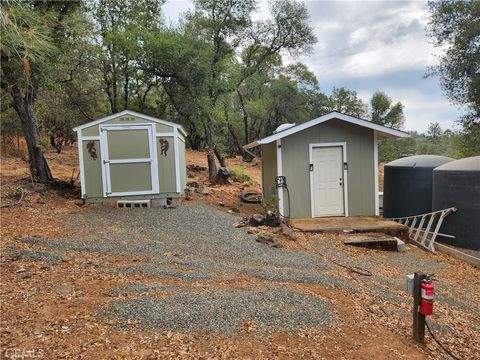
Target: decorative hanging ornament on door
92,150
164,145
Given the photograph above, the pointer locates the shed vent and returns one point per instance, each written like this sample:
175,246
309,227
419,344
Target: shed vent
133,204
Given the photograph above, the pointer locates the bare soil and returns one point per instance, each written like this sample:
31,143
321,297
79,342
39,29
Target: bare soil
52,310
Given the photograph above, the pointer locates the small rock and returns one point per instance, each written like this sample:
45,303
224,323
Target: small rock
239,225
203,191
64,289
235,210
289,233
193,184
38,187
221,203
21,270
256,220
189,192
272,219
268,240
80,202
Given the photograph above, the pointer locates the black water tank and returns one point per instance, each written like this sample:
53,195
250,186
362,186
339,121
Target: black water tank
457,184
407,185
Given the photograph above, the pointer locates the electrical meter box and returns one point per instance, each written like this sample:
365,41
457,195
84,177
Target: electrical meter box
409,283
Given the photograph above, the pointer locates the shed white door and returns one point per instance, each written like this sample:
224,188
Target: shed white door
327,181
129,159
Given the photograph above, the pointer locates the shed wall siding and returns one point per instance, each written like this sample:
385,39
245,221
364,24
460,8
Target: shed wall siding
166,166
361,184
269,170
183,165
93,171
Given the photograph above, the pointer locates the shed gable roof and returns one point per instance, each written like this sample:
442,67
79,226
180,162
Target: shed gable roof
131,113
382,130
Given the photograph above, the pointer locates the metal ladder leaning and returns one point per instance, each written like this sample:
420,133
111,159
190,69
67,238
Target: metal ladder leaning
420,227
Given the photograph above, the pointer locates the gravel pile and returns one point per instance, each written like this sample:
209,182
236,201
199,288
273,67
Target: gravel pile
34,255
153,269
141,288
275,309
201,242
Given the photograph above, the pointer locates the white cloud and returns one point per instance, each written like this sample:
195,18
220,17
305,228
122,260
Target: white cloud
378,59
420,109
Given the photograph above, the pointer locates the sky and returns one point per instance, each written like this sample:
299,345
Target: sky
369,46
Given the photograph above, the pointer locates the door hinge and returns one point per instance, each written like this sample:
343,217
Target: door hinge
106,161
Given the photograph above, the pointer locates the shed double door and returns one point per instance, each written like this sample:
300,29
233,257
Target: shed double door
129,160
327,181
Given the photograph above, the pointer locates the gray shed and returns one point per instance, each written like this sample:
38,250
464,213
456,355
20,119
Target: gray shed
131,156
329,164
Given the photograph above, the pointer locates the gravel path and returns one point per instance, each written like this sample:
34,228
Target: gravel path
201,243
198,246
223,312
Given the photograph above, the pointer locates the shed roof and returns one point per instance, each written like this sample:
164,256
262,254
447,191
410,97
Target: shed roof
132,113
383,131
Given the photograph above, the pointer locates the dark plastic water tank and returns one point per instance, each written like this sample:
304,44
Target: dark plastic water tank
458,184
407,185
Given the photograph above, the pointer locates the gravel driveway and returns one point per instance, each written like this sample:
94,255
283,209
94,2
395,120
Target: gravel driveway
199,248
194,244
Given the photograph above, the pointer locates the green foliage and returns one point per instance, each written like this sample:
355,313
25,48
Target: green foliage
218,72
467,143
383,112
347,102
267,205
239,174
435,142
454,26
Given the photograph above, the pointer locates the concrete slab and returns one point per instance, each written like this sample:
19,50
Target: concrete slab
351,224
468,256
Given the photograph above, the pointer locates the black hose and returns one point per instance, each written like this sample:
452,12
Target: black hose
286,217
256,200
440,344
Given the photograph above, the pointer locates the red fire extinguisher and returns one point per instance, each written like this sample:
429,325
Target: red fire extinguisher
427,295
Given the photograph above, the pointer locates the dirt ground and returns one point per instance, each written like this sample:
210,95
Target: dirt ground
51,309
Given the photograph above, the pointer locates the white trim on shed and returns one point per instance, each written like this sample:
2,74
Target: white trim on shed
132,113
382,130
345,173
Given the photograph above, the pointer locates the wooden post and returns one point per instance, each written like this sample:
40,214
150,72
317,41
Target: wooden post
418,319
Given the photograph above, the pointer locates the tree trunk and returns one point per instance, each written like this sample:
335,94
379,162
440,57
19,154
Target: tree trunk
125,90
245,155
220,157
38,165
194,137
212,166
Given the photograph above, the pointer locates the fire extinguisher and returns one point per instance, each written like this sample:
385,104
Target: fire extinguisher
427,295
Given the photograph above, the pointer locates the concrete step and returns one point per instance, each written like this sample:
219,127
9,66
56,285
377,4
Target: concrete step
376,241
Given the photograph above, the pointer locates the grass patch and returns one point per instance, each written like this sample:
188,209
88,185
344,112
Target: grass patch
240,175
